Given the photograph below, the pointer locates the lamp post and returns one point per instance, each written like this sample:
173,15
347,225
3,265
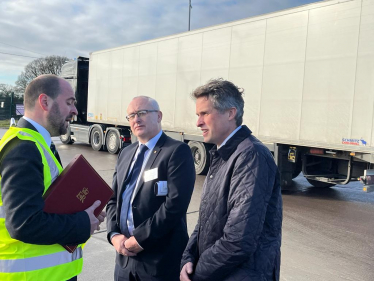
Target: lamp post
189,16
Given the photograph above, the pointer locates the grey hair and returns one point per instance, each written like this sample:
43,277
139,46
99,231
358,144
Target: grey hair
224,95
152,102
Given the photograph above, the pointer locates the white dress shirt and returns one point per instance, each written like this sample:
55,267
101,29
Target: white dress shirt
151,145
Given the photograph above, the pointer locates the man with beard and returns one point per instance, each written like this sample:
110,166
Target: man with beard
30,247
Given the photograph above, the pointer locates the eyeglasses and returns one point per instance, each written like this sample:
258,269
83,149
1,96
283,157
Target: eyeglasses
140,113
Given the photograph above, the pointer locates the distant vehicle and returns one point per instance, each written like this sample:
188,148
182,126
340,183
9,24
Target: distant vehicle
308,79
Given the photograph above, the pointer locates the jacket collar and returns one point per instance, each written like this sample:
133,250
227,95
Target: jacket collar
228,149
23,123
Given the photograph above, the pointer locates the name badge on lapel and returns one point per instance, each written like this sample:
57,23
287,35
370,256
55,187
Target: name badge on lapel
161,188
151,174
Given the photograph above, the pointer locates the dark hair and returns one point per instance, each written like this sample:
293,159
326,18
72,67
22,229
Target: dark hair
48,84
224,95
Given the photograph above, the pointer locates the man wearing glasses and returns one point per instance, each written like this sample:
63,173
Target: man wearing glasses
152,183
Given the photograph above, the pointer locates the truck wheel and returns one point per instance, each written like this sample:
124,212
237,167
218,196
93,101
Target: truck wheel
97,139
112,142
66,139
319,184
201,157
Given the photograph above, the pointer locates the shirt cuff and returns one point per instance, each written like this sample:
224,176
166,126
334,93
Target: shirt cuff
112,234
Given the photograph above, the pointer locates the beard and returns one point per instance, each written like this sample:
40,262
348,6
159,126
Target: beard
57,121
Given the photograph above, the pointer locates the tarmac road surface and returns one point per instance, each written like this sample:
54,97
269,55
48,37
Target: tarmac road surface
328,234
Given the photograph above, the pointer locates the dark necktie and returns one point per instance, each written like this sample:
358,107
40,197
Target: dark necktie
130,182
55,152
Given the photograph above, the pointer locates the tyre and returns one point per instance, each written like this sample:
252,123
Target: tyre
66,139
201,156
319,184
112,142
97,139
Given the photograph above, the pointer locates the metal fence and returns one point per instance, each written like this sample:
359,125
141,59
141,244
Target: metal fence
11,106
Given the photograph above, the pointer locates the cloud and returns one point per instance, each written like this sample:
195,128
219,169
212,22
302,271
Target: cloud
76,28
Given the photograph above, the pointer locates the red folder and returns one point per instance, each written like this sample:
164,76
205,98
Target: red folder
79,185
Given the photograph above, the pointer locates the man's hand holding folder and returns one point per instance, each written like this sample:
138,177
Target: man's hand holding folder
78,188
95,222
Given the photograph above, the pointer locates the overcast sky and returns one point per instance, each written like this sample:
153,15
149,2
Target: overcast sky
71,28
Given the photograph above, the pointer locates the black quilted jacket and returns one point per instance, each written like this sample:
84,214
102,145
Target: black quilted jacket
238,234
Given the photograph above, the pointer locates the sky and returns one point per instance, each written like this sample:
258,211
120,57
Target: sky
31,29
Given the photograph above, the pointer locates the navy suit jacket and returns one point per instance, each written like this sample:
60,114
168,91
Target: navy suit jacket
160,221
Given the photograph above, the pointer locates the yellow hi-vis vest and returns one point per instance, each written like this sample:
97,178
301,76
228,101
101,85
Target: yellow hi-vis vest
23,261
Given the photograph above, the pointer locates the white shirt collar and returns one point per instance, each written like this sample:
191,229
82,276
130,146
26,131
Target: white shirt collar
43,131
225,141
152,142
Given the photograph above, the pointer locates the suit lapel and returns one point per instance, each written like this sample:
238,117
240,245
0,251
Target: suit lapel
23,123
154,154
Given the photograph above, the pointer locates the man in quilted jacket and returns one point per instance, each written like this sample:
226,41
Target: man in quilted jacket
238,234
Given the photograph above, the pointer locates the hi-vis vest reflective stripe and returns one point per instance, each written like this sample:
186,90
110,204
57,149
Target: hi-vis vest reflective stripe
36,263
23,261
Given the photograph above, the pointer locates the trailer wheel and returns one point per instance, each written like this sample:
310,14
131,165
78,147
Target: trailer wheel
97,139
66,139
320,184
201,156
112,142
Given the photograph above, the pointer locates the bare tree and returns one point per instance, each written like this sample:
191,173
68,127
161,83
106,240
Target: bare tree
47,65
6,90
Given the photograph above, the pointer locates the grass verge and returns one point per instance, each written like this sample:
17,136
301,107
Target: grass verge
4,124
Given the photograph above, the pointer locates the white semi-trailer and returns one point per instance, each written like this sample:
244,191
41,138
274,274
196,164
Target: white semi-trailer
308,75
